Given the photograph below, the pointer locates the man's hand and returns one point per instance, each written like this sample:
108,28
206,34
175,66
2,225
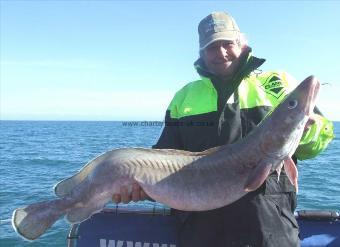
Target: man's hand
124,196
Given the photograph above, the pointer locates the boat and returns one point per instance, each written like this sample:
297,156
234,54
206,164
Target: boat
140,226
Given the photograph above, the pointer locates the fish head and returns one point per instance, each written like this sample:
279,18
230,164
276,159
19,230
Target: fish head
283,128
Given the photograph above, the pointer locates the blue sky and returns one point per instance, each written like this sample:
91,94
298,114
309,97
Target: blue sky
112,60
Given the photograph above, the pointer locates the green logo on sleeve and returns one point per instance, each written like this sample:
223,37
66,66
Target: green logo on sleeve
273,86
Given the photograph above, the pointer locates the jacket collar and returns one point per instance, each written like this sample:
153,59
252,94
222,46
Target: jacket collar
248,64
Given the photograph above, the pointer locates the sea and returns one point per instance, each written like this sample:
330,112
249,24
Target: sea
35,155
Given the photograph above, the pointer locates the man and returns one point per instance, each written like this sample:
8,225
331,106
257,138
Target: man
229,101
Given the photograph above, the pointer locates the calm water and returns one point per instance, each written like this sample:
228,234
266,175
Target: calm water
36,155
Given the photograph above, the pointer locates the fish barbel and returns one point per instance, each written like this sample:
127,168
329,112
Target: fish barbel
190,181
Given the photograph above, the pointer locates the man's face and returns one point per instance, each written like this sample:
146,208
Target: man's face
222,57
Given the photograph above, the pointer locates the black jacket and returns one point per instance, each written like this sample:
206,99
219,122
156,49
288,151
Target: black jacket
261,218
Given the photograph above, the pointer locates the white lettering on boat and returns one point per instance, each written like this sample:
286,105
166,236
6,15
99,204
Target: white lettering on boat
122,243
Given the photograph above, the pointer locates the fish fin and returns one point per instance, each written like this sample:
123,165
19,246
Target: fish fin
278,170
258,176
292,172
65,186
78,215
32,221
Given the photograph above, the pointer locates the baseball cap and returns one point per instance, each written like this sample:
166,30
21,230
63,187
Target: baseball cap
217,26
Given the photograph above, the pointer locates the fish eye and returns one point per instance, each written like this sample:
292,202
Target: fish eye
292,104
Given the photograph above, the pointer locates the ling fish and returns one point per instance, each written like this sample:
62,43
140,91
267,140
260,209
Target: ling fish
189,181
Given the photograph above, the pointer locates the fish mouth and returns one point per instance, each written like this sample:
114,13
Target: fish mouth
313,87
316,91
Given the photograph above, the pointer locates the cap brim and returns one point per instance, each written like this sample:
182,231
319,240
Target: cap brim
230,36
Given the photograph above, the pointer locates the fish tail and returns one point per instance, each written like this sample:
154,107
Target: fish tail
32,221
